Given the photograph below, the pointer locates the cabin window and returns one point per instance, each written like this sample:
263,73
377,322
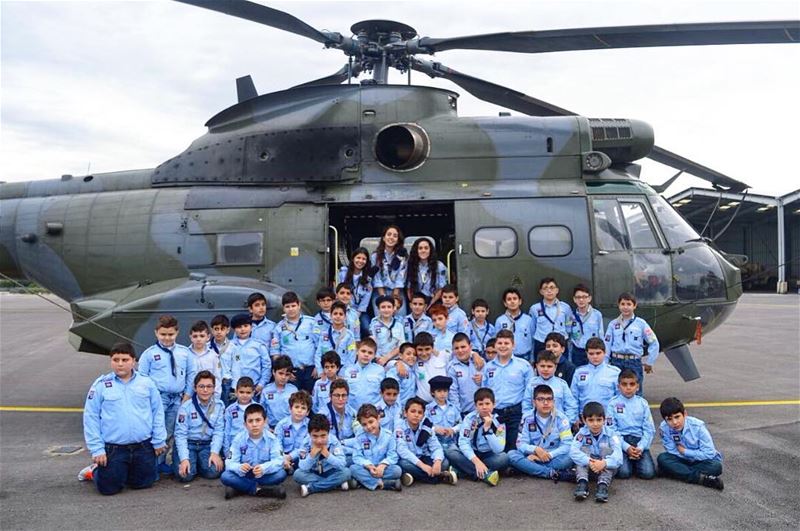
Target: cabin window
495,242
608,225
639,228
550,240
240,248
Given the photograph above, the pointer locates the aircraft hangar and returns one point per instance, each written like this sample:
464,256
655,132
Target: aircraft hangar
765,229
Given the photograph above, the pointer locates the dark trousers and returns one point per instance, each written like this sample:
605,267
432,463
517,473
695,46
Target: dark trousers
131,465
538,346
672,466
578,356
642,467
304,380
510,416
418,474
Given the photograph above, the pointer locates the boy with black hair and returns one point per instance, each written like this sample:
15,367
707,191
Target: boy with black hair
442,337
456,317
517,322
416,321
596,449
123,424
386,330
292,431
275,397
255,465
323,465
629,415
344,294
341,416
586,322
363,376
690,454
480,330
423,346
220,343
625,338
389,407
374,454
331,364
597,380
405,364
481,442
335,336
545,375
246,356
262,326
420,453
205,358
445,415
234,413
199,432
491,350
466,377
549,314
325,299
295,336
555,343
544,439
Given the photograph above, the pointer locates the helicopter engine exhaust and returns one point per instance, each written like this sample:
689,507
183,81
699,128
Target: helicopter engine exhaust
402,147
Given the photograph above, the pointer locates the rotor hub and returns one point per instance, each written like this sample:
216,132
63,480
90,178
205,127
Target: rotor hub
382,31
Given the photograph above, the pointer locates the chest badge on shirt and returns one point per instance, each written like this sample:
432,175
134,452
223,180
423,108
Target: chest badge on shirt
157,357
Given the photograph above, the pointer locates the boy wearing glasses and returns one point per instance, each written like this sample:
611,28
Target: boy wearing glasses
199,431
585,323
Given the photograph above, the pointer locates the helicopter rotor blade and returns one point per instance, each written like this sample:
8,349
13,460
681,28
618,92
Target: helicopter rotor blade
264,15
340,76
574,39
517,101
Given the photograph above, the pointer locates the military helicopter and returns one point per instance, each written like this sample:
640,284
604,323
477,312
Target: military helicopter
284,185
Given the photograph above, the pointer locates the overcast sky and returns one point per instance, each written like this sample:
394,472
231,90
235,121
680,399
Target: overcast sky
108,86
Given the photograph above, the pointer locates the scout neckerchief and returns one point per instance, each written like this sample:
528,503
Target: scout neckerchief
391,327
324,319
171,357
423,276
335,344
390,267
544,312
335,421
213,345
577,315
256,322
200,411
354,289
548,427
286,328
481,340
512,321
478,428
415,324
621,320
424,435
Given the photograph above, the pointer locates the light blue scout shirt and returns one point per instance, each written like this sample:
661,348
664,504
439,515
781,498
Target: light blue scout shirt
408,385
372,450
562,395
413,444
117,412
389,415
234,424
392,273
296,340
209,361
365,383
352,320
248,357
361,293
508,381
583,327
424,279
631,416
473,437
520,326
549,318
190,425
412,326
276,402
442,341
606,446
292,435
266,451
462,391
336,459
447,416
157,363
457,320
388,336
628,337
594,383
342,426
262,330
321,395
342,341
480,335
551,433
694,437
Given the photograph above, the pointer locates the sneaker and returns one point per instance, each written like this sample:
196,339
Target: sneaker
392,484
563,475
304,491
407,479
352,484
601,496
492,478
449,477
230,492
87,473
345,486
582,490
713,482
271,492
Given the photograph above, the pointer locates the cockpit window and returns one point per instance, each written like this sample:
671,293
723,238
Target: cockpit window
676,229
639,230
608,225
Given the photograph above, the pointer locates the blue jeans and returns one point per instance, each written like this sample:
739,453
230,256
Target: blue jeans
644,467
465,466
634,364
418,474
672,466
228,393
249,483
328,480
171,403
578,356
365,320
540,470
362,475
538,346
304,380
129,464
199,452
511,416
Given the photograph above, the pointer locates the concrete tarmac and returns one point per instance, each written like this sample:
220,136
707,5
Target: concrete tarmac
753,357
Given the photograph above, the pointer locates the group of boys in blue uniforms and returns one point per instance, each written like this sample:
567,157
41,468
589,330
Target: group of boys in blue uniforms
427,397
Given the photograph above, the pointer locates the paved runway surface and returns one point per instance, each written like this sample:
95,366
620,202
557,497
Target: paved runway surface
755,356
